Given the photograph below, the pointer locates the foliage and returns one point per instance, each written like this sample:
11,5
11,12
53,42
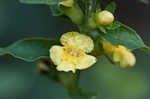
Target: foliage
37,48
82,13
30,49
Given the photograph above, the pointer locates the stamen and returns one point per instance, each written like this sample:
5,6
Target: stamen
71,53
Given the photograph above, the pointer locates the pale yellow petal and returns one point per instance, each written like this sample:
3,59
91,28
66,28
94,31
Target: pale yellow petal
116,56
122,48
78,40
119,52
86,62
66,66
56,54
108,48
128,59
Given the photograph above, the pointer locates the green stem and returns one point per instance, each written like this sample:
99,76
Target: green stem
74,13
87,4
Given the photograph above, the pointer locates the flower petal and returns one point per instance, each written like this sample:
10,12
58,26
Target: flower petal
78,40
86,62
128,59
116,56
56,54
124,56
108,48
66,66
119,52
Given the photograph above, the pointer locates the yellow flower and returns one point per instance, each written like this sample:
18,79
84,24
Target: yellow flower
120,54
67,3
108,48
104,17
72,55
124,56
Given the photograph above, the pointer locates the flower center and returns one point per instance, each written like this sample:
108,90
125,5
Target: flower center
72,54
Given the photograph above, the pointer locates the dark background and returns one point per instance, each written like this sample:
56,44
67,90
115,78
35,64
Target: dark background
21,80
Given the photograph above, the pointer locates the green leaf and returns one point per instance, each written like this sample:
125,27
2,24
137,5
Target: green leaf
113,26
146,49
102,29
30,49
48,2
98,8
124,35
56,11
111,7
94,35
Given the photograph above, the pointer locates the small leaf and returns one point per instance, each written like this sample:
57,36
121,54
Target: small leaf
113,26
146,49
48,2
30,49
98,8
56,11
124,35
102,29
111,7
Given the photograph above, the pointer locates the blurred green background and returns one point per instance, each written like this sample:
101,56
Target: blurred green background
21,80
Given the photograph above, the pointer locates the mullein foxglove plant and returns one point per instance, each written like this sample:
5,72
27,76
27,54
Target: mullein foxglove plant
98,34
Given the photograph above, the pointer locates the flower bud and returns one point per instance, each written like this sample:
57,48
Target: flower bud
104,17
124,56
67,3
43,68
72,10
